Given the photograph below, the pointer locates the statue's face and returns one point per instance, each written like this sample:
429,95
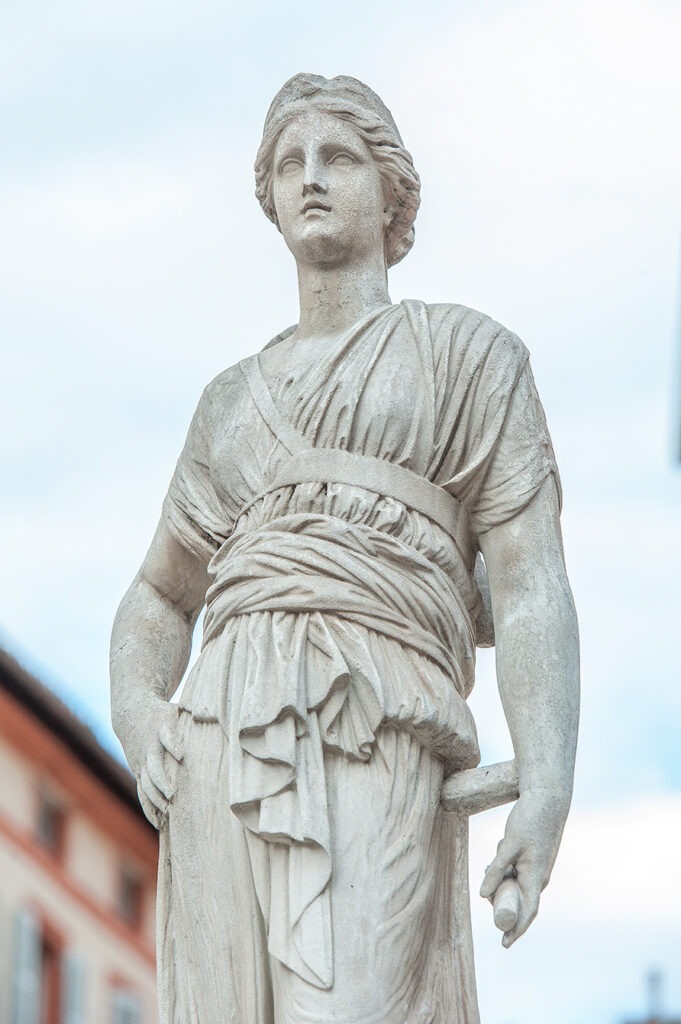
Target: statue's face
328,192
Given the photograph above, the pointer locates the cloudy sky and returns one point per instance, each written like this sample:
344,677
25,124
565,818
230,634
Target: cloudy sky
135,264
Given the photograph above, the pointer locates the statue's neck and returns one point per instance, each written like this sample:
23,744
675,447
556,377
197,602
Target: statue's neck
334,298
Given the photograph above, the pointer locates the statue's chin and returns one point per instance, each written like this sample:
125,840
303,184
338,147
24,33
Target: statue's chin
321,246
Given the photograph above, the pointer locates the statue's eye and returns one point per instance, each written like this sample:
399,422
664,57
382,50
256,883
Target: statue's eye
289,165
342,160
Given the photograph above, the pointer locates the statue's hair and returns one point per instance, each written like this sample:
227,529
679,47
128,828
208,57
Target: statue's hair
349,100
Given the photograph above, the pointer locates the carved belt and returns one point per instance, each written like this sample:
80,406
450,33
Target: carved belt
308,464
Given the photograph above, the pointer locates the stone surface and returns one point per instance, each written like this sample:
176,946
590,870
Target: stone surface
351,504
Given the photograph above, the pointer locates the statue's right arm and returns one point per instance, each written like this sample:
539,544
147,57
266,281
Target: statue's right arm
150,647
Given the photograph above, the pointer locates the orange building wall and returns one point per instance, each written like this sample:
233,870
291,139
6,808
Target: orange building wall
76,892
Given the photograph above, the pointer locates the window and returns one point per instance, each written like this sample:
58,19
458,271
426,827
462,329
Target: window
26,995
73,989
50,978
50,823
48,982
130,897
125,1006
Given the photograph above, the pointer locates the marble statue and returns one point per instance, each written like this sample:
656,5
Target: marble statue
356,506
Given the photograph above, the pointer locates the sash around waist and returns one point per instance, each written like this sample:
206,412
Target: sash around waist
335,465
304,563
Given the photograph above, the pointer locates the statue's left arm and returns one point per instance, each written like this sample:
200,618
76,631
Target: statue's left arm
537,651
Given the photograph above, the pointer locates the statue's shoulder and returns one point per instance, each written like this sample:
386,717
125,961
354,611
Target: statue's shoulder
465,329
221,395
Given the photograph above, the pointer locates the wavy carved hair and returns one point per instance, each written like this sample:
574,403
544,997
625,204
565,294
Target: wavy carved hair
349,100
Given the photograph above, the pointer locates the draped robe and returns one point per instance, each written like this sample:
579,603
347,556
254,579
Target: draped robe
339,507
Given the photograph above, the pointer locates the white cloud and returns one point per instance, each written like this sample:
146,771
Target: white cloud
550,170
610,913
617,863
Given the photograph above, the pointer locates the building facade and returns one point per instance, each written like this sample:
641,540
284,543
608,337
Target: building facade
77,870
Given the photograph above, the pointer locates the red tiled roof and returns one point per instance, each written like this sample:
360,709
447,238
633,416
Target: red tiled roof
62,722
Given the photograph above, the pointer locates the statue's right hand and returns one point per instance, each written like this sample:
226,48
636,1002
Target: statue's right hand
154,751
157,780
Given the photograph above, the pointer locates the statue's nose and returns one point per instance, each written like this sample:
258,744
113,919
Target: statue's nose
313,187
314,182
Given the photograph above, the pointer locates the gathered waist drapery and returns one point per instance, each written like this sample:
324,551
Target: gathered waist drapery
302,604
304,563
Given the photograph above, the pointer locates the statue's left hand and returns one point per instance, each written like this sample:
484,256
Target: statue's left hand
527,853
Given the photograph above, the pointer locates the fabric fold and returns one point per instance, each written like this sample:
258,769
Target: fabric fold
341,611
299,690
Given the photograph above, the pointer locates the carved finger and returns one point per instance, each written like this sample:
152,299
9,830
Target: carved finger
152,792
527,914
151,812
501,867
171,741
158,774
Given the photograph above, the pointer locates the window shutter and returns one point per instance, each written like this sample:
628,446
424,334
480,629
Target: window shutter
26,969
126,1007
73,989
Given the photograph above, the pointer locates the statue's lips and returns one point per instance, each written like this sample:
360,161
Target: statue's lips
315,205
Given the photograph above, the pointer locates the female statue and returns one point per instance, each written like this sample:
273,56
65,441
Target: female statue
328,507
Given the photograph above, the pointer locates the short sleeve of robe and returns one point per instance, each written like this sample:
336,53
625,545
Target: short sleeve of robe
499,451
191,509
